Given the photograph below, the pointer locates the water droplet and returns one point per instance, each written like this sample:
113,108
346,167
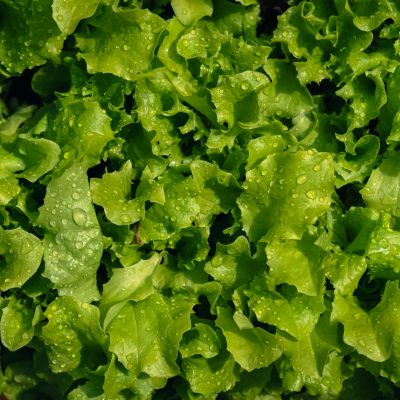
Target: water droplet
125,47
52,223
244,86
75,195
310,194
26,246
79,245
301,179
79,216
59,238
361,342
125,218
64,221
317,168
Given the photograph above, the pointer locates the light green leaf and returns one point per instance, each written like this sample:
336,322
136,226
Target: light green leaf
273,141
366,94
72,242
145,335
290,99
247,2
369,14
298,263
17,324
189,201
234,97
290,311
382,252
232,264
10,126
121,41
113,191
9,188
131,283
117,378
382,189
38,155
370,333
72,334
355,168
312,362
81,128
344,271
189,11
285,193
29,36
20,256
68,13
251,348
201,340
209,376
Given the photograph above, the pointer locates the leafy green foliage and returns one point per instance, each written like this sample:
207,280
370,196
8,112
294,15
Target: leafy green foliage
199,199
72,241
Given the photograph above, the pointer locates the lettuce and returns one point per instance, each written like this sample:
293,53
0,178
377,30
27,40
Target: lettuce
199,199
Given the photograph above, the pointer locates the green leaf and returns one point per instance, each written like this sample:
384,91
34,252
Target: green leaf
251,348
72,335
17,324
10,126
234,95
189,201
161,110
273,141
290,98
382,189
81,128
298,263
356,168
208,376
9,188
314,363
366,95
290,311
368,15
131,283
113,191
389,119
201,340
145,335
20,255
189,11
244,56
345,271
38,155
117,378
68,13
72,242
247,2
285,193
232,264
382,253
370,333
121,41
29,36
